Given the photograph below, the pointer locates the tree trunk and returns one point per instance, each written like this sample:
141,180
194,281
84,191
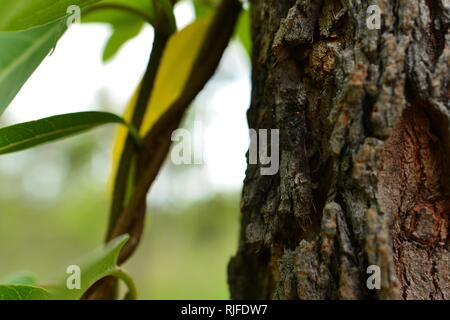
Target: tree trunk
364,152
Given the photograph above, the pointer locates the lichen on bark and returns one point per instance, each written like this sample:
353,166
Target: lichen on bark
364,145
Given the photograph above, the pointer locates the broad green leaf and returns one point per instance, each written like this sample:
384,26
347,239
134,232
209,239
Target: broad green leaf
100,264
106,11
22,292
22,52
21,278
25,14
174,71
29,134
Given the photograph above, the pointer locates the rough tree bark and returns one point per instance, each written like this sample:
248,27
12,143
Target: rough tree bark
364,152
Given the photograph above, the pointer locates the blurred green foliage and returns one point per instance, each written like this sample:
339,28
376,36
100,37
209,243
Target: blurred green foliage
185,253
55,209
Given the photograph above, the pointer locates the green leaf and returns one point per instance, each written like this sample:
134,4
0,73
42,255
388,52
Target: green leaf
21,278
99,265
22,292
25,14
22,52
29,134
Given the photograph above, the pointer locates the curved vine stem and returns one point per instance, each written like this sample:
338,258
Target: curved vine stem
132,291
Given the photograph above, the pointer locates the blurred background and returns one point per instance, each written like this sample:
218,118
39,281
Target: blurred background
54,200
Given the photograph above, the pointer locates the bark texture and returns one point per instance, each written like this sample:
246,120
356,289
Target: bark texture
364,152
